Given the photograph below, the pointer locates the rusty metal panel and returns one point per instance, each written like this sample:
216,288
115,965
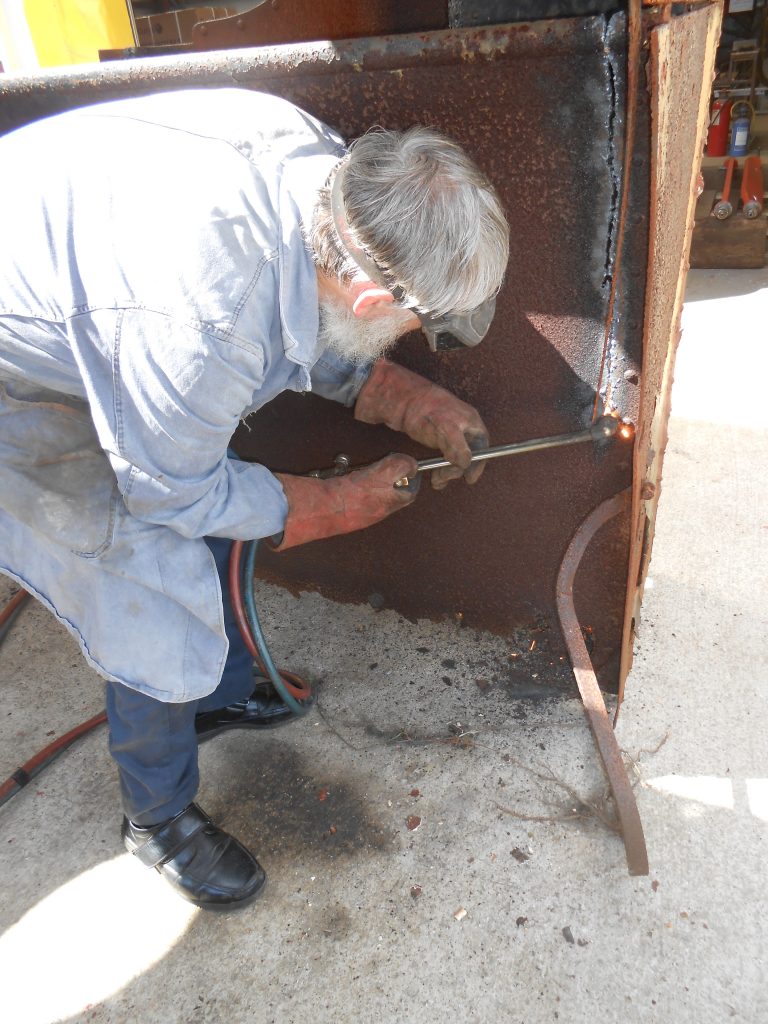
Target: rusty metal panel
541,107
539,110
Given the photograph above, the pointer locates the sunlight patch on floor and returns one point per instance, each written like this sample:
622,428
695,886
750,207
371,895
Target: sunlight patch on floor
87,939
704,789
757,797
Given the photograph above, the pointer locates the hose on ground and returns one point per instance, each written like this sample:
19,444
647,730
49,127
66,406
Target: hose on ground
24,775
292,689
10,612
26,772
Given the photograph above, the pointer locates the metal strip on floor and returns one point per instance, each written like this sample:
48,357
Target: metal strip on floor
586,680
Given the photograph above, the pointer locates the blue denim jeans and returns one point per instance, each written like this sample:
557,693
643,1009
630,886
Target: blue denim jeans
154,743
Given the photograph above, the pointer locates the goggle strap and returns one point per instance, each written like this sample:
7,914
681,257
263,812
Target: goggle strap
365,263
461,326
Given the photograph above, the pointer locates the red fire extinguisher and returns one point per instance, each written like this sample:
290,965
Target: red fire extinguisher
719,124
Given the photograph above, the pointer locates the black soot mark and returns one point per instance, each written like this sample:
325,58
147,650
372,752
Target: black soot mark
280,805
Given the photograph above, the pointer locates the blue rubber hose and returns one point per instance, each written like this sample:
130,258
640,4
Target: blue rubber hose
249,562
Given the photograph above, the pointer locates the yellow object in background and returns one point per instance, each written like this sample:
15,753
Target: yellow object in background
73,31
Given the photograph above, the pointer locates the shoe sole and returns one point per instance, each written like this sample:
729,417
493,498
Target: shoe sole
229,908
217,730
218,908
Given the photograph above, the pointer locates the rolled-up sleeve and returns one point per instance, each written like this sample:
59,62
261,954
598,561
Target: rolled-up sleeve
338,379
165,401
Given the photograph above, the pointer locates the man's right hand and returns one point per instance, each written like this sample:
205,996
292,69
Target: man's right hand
325,508
429,414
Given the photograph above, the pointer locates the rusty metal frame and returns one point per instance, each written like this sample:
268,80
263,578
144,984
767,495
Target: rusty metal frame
586,680
678,47
648,456
29,97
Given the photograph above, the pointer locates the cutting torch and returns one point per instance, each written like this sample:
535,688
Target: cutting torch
603,429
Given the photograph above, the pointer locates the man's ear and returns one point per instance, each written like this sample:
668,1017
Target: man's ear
368,297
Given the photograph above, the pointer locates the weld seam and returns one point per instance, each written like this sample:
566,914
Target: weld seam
613,174
609,266
619,222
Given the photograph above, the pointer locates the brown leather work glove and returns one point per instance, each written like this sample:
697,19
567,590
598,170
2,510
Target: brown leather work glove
427,413
341,504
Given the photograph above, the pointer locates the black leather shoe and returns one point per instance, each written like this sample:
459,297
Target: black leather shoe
264,709
202,863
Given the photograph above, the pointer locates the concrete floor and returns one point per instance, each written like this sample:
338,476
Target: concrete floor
554,927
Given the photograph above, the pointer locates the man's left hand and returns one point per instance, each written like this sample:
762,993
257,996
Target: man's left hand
428,414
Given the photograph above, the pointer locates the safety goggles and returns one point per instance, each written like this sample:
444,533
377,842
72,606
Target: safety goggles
442,330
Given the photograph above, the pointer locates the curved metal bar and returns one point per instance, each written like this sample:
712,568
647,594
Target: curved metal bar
586,680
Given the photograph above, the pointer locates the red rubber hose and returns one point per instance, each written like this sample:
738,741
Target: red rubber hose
237,599
23,775
9,609
295,685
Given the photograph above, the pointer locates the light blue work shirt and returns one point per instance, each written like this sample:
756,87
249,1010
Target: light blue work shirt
155,288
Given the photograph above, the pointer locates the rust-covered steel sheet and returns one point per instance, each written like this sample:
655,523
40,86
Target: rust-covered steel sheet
541,107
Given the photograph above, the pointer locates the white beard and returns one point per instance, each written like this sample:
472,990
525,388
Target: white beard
359,339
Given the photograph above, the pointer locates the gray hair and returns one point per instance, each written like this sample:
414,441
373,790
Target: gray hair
425,213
